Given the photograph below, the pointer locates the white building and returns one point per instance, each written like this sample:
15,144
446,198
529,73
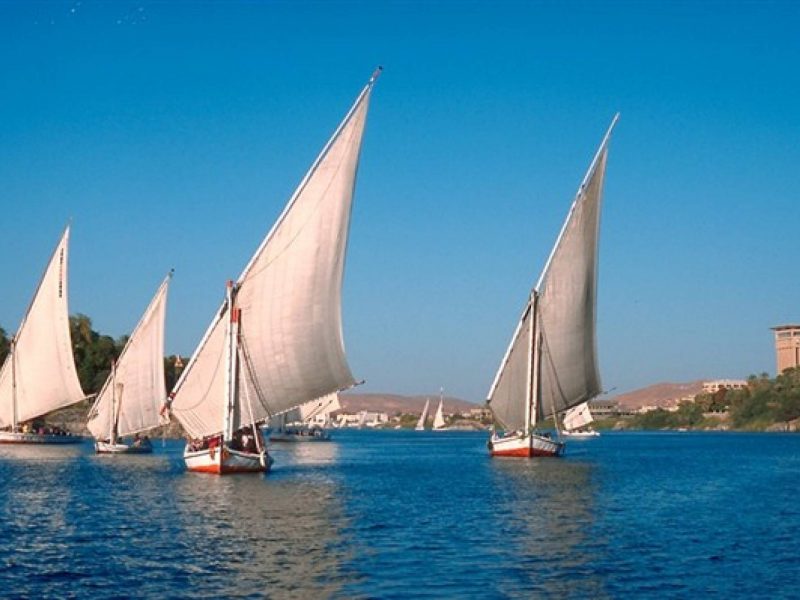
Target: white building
712,387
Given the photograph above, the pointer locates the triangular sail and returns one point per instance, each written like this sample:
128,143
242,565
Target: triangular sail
567,291
438,419
307,412
290,300
577,417
423,417
563,319
43,368
139,375
509,395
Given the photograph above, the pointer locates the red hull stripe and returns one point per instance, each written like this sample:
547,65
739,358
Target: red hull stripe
523,452
215,469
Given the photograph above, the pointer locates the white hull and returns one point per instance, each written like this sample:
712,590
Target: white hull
525,446
221,461
580,435
285,436
120,448
11,437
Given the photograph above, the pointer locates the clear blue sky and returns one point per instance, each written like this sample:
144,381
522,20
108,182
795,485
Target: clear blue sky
173,133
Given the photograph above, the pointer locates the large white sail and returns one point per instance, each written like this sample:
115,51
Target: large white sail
290,328
558,321
577,417
567,302
133,394
41,375
423,417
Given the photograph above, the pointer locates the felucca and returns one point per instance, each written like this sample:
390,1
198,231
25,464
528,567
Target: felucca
576,422
132,396
439,423
551,362
424,416
309,422
38,375
276,342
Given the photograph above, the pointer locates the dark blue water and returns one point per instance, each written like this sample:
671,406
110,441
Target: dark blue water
405,514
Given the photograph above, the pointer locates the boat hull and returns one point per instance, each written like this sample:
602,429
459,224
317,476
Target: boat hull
224,461
119,448
525,446
283,436
12,437
580,435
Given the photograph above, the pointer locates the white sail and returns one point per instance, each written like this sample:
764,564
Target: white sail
289,295
134,393
567,302
40,376
577,417
438,419
423,417
510,393
307,412
551,363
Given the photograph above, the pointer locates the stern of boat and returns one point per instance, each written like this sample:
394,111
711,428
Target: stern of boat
222,461
524,446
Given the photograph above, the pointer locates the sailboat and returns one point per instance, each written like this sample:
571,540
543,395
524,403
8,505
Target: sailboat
308,422
439,423
576,421
424,416
38,375
276,342
131,398
551,363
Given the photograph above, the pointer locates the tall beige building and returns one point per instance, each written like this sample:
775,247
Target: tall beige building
787,347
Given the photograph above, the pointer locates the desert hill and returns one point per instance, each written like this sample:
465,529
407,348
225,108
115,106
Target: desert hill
663,395
395,403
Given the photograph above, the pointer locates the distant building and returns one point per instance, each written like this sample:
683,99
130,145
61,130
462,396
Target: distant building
479,413
605,409
712,387
364,418
787,347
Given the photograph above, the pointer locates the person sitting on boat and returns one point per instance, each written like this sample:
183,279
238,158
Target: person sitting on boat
137,441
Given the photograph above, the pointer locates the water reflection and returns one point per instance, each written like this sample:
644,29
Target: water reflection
80,523
545,515
265,535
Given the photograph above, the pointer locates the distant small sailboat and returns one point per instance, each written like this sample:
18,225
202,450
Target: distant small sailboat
302,424
38,375
551,362
439,424
131,398
576,421
276,341
424,416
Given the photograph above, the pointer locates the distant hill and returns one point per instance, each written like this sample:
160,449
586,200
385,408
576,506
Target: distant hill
395,403
663,395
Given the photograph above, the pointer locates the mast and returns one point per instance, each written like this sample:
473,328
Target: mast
14,423
231,364
532,389
112,435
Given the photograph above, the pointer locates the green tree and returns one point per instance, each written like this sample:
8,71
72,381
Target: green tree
5,345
